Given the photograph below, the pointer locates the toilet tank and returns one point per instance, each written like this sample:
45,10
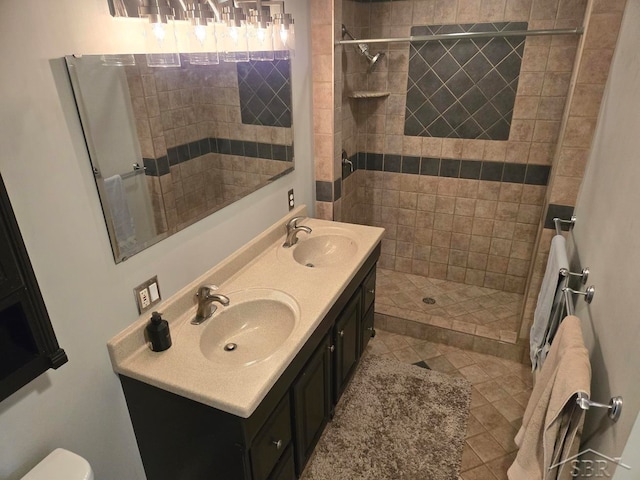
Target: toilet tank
61,464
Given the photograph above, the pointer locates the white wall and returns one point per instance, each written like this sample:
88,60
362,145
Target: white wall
89,298
607,240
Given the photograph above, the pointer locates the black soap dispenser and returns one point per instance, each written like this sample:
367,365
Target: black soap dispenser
158,333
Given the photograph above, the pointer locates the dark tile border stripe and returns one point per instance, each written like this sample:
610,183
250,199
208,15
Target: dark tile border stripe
452,168
182,153
558,211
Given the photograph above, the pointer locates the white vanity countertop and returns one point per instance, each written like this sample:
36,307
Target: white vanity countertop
262,263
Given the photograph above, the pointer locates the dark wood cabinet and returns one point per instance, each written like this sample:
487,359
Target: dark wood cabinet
182,439
311,393
28,345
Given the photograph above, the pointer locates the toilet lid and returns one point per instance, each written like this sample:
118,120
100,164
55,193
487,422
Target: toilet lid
61,464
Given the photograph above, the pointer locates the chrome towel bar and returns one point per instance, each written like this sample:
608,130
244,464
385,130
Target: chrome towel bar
558,222
614,406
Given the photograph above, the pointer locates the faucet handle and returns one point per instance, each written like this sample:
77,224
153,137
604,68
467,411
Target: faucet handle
293,223
205,290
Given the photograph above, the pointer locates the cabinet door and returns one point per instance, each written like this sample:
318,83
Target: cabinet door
347,344
369,289
271,441
366,330
286,469
311,393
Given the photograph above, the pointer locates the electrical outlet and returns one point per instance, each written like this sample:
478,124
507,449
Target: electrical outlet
291,199
147,294
145,301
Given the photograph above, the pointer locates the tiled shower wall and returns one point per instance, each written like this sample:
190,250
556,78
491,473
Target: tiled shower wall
200,134
585,80
475,226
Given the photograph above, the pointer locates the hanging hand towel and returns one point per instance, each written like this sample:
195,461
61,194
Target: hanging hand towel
547,298
123,225
551,420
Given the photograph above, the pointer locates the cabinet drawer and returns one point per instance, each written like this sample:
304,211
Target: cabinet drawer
271,441
369,289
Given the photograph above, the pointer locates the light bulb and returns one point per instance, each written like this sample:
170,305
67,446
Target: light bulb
200,32
159,31
233,33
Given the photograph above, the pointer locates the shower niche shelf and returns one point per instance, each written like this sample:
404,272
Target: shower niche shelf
368,94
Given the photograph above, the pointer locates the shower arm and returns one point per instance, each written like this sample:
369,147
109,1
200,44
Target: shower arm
362,47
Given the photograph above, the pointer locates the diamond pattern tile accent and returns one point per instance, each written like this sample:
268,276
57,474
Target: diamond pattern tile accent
265,93
463,88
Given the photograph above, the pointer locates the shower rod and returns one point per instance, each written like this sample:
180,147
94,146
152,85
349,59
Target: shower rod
466,35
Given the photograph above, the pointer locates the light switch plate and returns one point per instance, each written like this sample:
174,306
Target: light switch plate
147,295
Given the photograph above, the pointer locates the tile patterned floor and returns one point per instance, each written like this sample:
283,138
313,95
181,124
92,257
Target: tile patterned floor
501,389
480,311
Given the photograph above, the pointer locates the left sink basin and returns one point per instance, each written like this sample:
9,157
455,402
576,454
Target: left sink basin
253,327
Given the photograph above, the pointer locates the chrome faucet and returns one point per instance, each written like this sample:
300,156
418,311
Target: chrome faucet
206,308
292,231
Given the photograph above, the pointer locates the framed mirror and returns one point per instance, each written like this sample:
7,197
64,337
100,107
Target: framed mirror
170,146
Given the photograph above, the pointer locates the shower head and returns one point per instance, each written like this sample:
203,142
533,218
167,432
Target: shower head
363,49
373,59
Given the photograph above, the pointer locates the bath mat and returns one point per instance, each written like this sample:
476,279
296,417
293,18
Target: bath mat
395,421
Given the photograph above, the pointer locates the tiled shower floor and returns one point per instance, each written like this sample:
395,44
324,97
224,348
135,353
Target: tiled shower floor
479,311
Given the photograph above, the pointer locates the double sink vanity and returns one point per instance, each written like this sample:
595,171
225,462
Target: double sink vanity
246,393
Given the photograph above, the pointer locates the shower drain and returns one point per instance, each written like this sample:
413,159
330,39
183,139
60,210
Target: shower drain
429,300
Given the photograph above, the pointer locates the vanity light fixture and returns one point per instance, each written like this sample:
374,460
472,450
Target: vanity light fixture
160,33
208,31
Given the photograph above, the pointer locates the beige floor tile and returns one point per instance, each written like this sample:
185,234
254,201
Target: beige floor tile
469,459
485,446
395,342
491,390
460,359
427,350
478,473
407,355
504,435
441,364
499,466
489,417
474,427
509,408
477,399
474,374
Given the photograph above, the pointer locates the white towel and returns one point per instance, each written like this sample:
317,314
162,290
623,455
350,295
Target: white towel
547,298
123,224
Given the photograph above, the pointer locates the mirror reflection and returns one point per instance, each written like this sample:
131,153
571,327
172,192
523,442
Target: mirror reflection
170,146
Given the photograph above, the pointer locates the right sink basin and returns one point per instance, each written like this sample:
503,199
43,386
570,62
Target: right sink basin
324,249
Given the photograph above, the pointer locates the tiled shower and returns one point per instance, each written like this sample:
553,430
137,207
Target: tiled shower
453,144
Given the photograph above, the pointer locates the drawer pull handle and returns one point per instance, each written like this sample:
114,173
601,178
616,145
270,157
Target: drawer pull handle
332,348
372,291
341,333
277,443
372,332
